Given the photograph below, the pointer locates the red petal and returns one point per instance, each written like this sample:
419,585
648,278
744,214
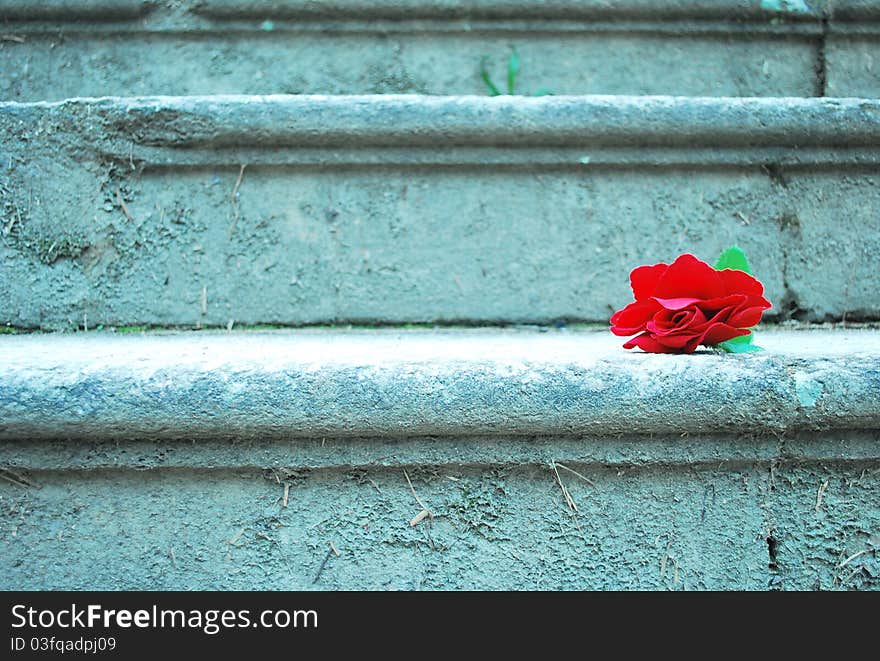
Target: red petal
740,282
688,276
678,342
746,318
730,302
647,343
633,317
644,279
691,346
718,333
662,324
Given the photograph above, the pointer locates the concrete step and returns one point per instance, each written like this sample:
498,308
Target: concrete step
216,211
52,50
387,383
429,459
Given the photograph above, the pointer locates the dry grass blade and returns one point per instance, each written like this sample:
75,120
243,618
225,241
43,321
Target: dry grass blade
568,499
20,480
820,493
853,557
327,557
574,472
425,511
234,201
122,205
238,183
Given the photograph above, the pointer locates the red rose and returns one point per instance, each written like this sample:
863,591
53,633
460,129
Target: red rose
688,303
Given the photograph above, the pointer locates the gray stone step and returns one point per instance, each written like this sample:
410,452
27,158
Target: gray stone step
461,383
755,525
202,211
54,50
559,456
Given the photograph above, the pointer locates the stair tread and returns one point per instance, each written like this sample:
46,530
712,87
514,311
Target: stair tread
412,120
313,383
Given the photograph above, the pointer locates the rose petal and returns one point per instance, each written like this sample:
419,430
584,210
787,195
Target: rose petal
647,343
665,322
662,322
691,346
746,318
676,303
718,333
688,276
740,282
678,341
633,317
644,279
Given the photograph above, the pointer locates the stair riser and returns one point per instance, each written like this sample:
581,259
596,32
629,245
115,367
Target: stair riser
76,49
418,62
753,527
402,226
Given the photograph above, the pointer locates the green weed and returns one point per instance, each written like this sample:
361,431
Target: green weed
513,69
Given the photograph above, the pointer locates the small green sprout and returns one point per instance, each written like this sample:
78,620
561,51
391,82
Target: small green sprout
513,69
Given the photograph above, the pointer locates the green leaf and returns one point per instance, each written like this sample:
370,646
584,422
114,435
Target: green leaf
484,74
733,258
742,339
512,71
740,344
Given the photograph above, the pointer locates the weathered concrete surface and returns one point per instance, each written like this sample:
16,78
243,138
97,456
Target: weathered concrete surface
854,65
409,121
280,62
418,383
74,10
587,9
748,496
397,209
623,451
68,48
756,526
51,50
725,472
55,50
